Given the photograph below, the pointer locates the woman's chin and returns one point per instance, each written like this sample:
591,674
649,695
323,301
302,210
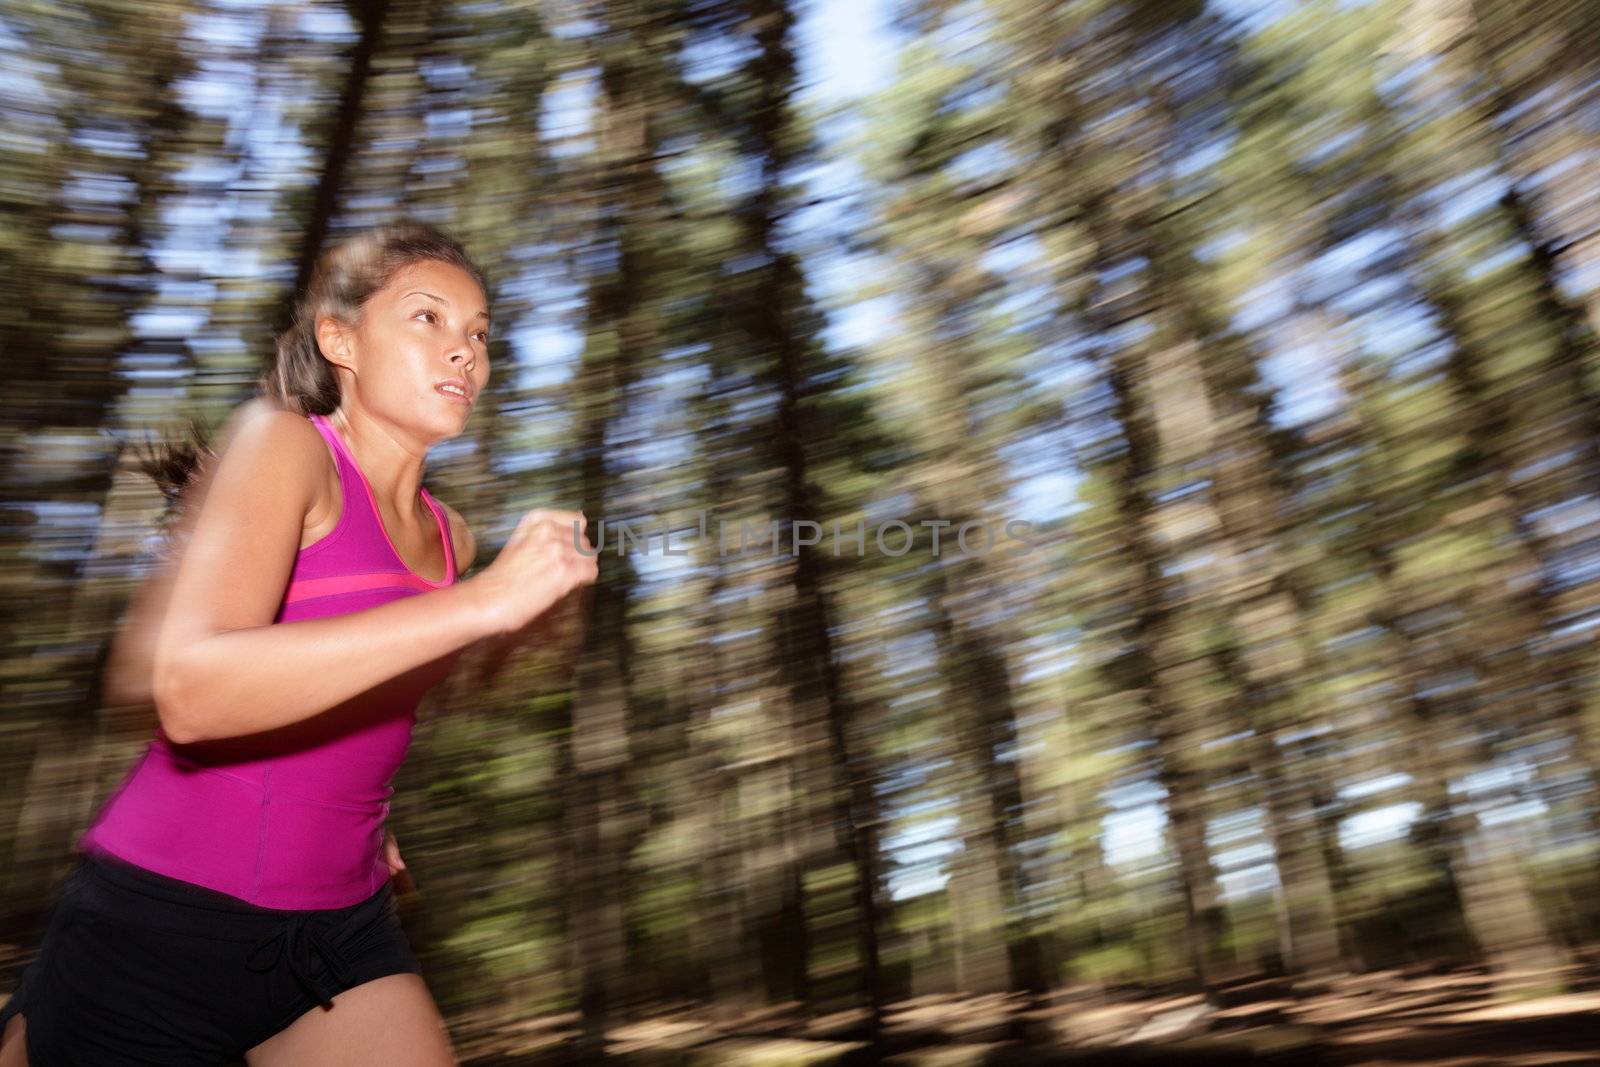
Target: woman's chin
455,426
440,425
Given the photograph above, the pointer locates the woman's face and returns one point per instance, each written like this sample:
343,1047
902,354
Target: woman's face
423,342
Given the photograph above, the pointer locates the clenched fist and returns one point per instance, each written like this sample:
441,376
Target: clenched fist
547,556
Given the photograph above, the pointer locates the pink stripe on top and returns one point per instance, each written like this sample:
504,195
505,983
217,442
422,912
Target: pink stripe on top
291,818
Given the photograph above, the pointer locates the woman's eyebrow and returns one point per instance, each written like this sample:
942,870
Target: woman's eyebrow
484,315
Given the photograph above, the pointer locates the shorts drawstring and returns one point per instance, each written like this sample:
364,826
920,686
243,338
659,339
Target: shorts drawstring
303,938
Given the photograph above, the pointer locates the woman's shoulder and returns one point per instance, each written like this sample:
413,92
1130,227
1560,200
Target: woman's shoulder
262,452
266,422
283,450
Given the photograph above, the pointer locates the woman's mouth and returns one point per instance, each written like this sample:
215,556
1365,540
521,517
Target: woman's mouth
453,391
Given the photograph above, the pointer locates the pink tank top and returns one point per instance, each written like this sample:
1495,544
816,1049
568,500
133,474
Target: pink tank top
291,818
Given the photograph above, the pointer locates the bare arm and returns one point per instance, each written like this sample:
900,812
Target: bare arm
129,664
221,667
127,669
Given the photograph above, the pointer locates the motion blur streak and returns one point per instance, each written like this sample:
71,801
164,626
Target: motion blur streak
1277,323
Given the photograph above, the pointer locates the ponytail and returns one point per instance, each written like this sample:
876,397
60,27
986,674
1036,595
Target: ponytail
174,463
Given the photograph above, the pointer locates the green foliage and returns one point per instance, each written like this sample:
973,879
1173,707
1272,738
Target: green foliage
1280,332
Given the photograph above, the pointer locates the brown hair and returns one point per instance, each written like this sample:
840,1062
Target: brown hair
297,377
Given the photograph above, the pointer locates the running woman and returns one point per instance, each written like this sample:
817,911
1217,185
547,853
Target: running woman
232,899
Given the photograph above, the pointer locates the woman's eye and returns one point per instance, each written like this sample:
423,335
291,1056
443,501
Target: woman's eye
483,335
428,313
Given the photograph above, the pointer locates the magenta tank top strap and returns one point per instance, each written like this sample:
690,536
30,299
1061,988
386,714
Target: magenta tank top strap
343,462
444,533
358,524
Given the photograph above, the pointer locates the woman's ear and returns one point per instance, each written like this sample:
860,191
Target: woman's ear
334,340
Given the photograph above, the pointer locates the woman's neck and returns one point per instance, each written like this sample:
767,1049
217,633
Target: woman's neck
392,465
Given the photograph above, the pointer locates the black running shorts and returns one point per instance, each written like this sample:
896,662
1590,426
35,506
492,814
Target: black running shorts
138,968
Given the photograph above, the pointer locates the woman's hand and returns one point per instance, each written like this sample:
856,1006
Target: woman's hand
391,854
547,556
397,866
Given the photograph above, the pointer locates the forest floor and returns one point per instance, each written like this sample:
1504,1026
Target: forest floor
1453,1018
1418,1018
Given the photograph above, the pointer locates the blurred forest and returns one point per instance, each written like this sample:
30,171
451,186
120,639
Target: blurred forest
1278,324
